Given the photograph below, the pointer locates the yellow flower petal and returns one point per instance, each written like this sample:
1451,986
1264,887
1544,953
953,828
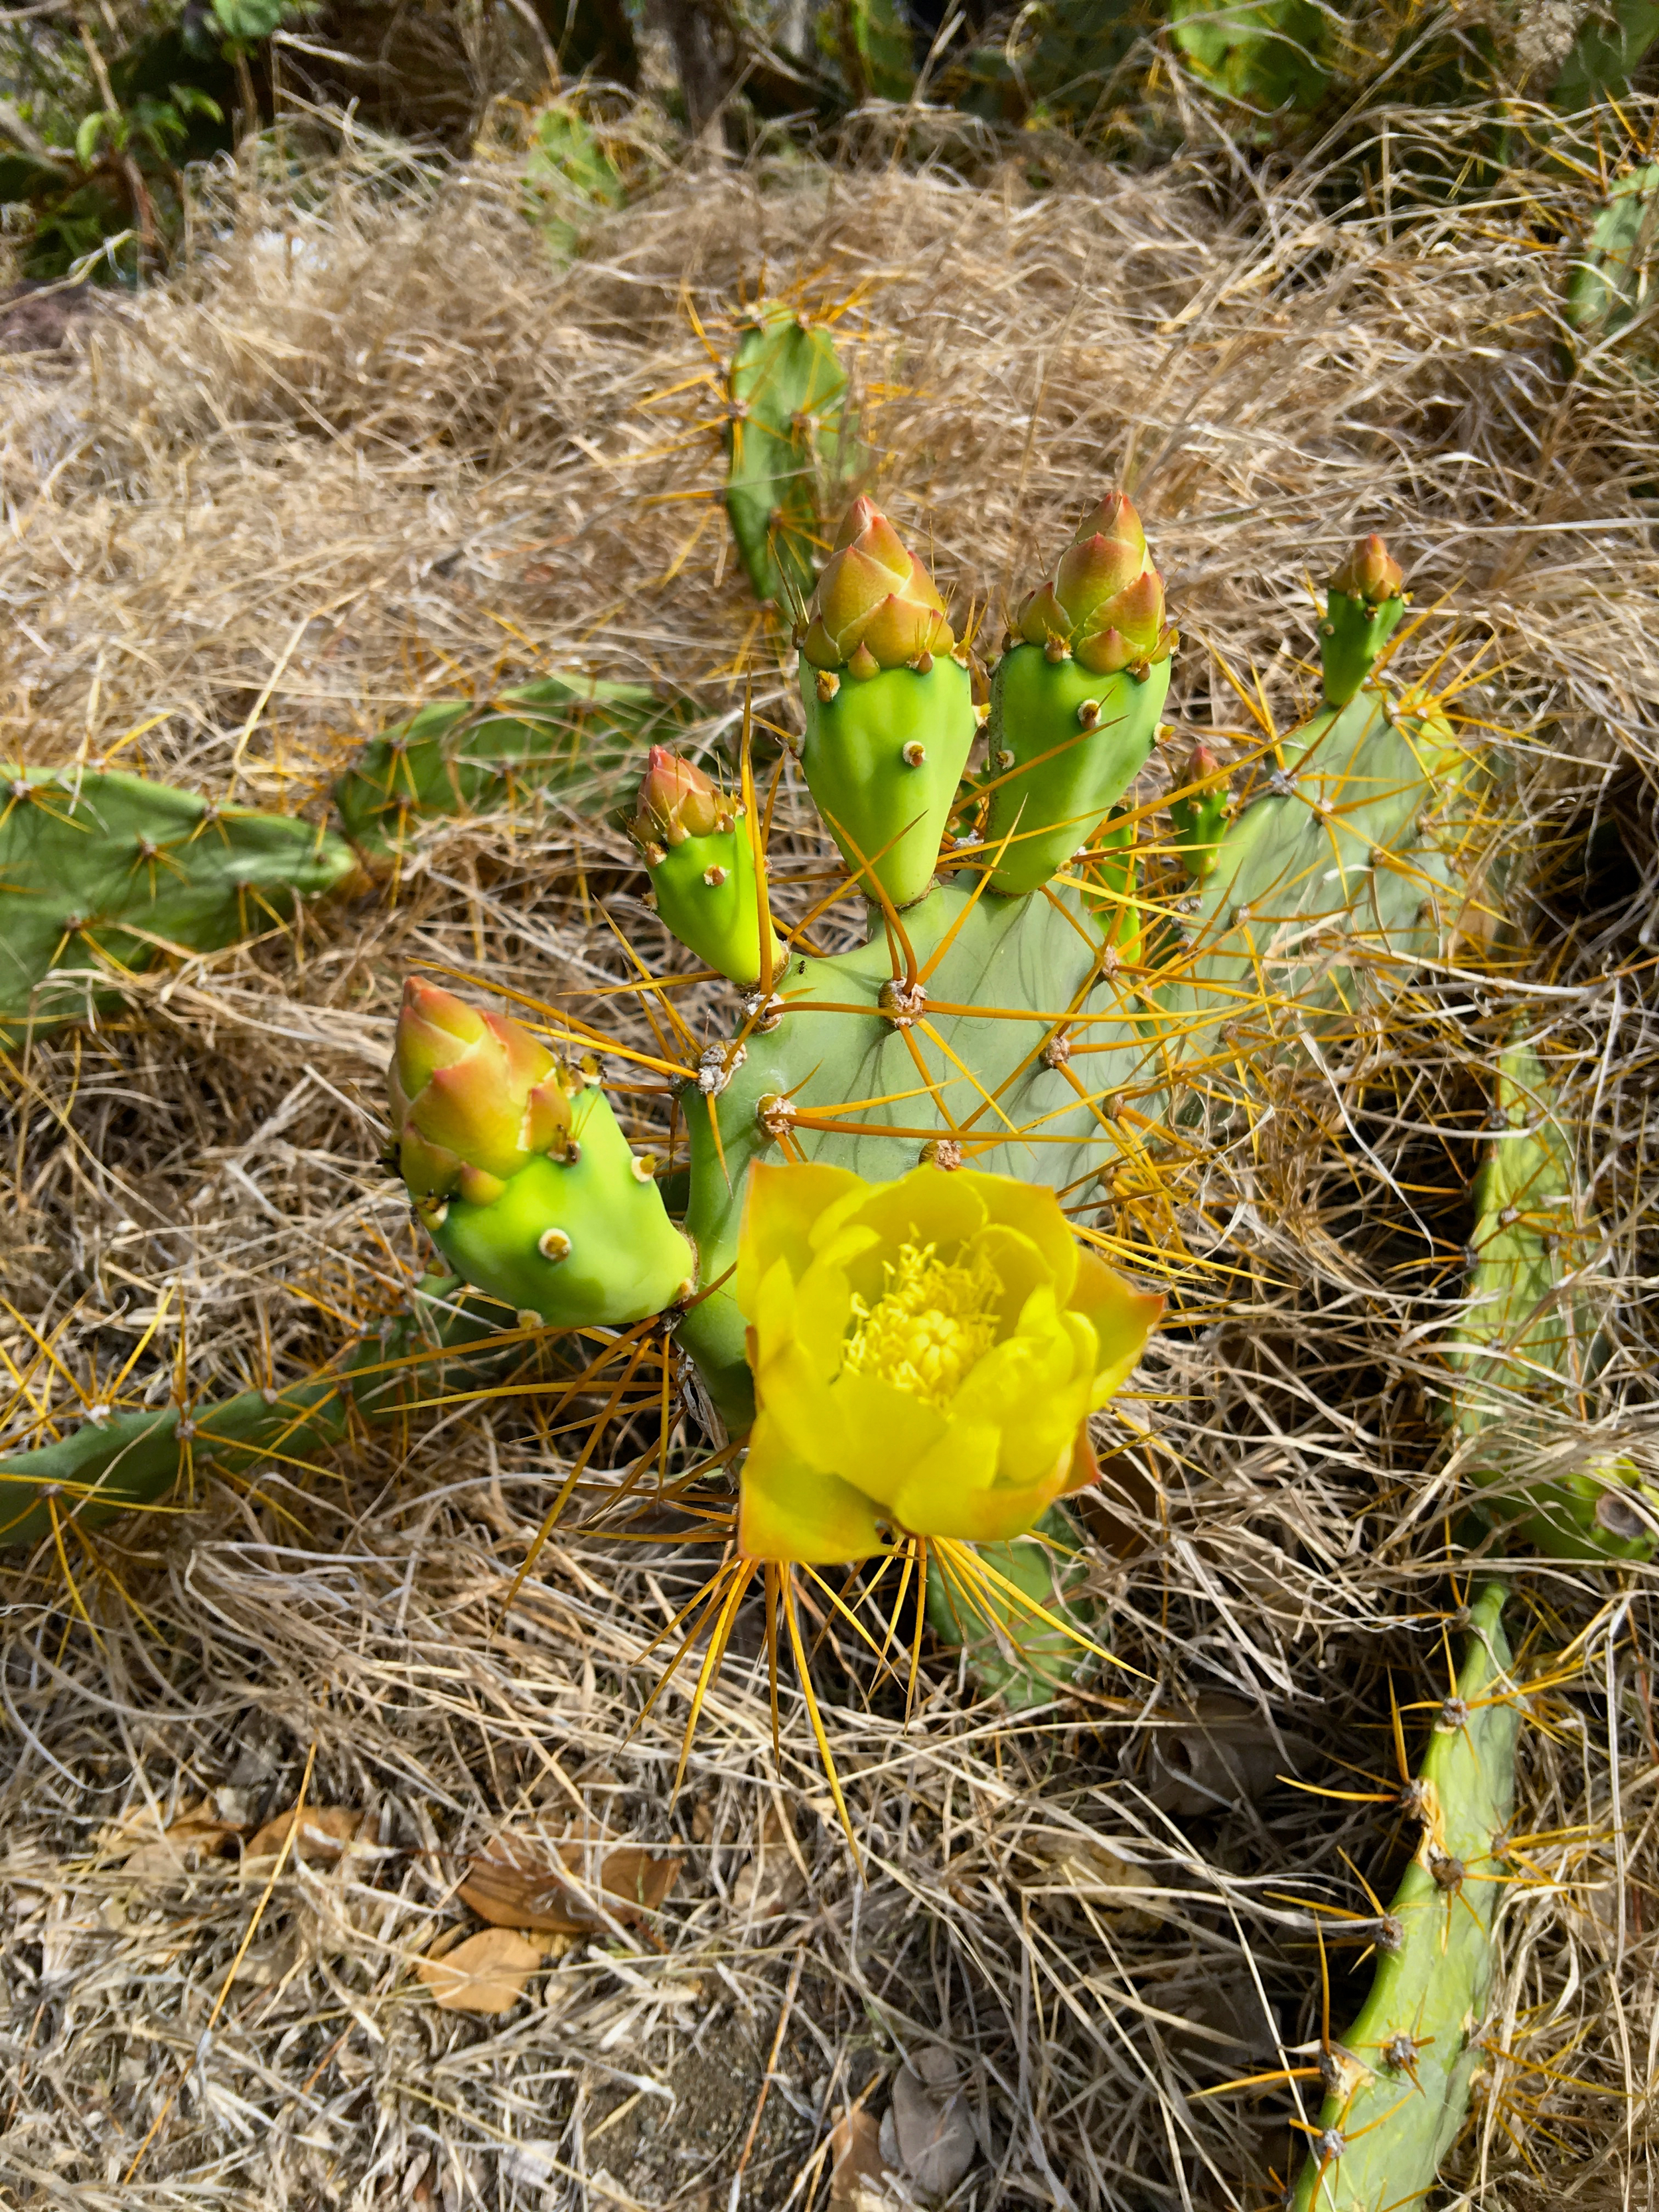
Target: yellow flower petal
885,1431
781,1206
791,1512
1123,1319
1035,1212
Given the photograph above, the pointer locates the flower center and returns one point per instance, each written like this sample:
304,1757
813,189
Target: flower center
929,1326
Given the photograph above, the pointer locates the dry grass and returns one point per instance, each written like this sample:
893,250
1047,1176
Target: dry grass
379,447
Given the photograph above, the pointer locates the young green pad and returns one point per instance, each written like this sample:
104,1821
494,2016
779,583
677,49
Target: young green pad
582,1242
883,757
1076,699
890,708
1065,746
1405,2065
102,874
789,449
1362,612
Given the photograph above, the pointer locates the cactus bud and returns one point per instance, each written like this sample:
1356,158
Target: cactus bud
1075,703
1362,612
884,754
1370,572
677,800
520,1174
702,866
1199,815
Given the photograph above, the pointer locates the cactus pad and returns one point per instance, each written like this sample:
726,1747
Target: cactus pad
789,446
1528,1337
560,734
103,874
1403,2069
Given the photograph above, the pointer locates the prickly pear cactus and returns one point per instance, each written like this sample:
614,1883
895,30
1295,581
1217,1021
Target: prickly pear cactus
559,735
1528,1345
446,1340
790,446
1007,1031
1264,54
102,874
1398,2082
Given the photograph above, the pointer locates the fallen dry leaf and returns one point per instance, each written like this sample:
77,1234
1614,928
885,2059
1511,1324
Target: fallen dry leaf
855,2170
1224,1752
519,1881
486,1973
180,1849
770,1880
325,1832
927,2132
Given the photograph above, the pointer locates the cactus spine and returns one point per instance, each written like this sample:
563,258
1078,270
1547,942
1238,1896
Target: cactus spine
1399,2081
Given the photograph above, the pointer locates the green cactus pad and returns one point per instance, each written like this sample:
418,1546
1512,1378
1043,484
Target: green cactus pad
582,1242
1613,286
855,765
561,733
568,180
1055,778
1318,889
707,894
1011,1655
790,448
876,54
1405,2064
1350,637
1529,1335
103,874
133,1459
1198,822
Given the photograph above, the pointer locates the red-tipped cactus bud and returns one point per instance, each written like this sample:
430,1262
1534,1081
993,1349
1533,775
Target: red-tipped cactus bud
1104,602
1370,572
1363,609
676,801
474,1097
1072,719
875,606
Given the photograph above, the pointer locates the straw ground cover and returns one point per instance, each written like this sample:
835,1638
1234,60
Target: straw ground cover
381,448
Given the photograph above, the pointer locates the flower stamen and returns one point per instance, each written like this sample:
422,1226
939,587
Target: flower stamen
933,1322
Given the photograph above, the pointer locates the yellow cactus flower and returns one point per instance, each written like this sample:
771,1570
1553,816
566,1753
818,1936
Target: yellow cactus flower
926,1353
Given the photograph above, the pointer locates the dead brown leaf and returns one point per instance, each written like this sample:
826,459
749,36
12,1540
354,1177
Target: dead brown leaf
196,1836
521,1881
486,1973
325,1831
855,2171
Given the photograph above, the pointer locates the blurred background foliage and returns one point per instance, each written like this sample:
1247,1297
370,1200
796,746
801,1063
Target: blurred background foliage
105,105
